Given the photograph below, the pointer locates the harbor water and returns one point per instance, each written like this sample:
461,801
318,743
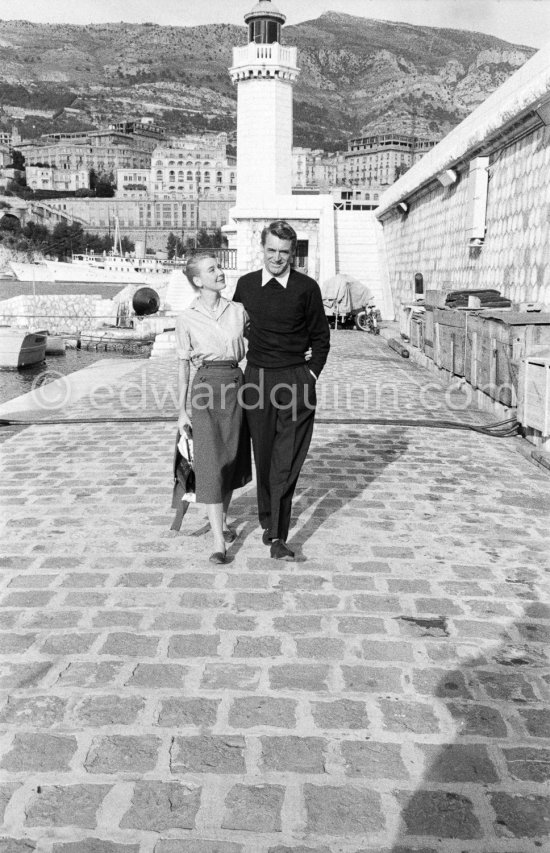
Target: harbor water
13,383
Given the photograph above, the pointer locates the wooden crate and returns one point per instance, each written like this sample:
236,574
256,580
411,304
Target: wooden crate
490,363
450,340
417,329
429,332
535,402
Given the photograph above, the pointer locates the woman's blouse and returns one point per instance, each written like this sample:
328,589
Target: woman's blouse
203,335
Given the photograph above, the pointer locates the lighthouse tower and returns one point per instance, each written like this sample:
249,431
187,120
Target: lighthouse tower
264,72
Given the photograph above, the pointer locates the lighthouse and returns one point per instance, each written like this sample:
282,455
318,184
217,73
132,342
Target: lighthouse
264,72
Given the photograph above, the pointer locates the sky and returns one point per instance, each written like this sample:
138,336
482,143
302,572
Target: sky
519,21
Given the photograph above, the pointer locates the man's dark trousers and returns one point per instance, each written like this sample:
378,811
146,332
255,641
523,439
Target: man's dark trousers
280,409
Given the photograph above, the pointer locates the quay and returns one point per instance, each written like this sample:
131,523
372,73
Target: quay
388,692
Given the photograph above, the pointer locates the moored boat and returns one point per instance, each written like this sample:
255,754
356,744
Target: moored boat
21,347
55,345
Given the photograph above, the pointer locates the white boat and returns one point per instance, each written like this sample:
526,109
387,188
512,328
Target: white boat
55,345
96,269
21,347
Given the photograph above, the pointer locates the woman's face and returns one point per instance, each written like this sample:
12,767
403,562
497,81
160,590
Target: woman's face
210,276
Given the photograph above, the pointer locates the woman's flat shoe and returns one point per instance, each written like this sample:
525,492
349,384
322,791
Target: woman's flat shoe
218,557
229,535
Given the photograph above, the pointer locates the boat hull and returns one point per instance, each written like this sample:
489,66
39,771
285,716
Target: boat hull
20,348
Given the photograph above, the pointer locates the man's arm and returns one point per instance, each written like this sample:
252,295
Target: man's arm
319,332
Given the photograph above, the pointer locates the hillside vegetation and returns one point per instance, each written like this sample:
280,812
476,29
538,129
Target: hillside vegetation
354,72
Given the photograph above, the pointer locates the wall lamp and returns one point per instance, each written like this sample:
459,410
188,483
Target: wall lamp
543,112
448,177
403,207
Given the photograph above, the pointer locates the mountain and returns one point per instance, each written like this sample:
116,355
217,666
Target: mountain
355,73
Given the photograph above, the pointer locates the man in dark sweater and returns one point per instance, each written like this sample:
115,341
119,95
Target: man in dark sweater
287,318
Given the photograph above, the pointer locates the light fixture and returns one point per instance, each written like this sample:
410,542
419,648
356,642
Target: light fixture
543,112
403,207
448,177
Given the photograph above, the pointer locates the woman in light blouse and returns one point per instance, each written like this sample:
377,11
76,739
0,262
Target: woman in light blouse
210,334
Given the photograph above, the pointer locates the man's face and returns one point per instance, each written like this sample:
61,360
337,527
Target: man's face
277,254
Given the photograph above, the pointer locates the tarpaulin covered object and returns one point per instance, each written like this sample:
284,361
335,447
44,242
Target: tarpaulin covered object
343,294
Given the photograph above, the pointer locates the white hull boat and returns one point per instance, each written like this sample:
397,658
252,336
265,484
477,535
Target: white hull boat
96,269
55,345
21,347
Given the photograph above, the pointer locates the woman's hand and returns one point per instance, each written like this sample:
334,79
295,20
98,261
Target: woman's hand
183,421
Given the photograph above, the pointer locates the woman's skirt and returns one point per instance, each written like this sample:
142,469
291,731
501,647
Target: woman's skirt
221,441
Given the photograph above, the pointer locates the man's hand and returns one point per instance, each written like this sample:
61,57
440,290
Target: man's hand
308,353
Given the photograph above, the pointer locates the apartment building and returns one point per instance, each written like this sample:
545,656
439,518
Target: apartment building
183,167
375,159
105,151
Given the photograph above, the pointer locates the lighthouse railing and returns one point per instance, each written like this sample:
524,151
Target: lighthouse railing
275,54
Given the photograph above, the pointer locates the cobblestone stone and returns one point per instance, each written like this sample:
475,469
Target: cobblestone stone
262,711
108,710
343,811
208,754
73,805
294,754
254,808
122,753
175,712
441,813
159,806
33,752
521,816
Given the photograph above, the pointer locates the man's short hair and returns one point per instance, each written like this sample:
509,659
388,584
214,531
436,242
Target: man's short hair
281,229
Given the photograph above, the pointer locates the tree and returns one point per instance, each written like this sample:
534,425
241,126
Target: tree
209,241
36,233
9,222
17,159
174,247
171,245
67,239
104,188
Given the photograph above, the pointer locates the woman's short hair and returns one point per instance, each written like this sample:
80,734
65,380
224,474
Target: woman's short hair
281,229
192,267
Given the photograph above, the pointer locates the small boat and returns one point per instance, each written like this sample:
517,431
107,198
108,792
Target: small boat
55,345
21,347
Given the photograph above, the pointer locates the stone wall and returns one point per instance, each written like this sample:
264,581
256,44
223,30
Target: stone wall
70,314
515,255
431,236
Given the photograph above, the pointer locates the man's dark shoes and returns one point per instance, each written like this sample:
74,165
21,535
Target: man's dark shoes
281,551
266,538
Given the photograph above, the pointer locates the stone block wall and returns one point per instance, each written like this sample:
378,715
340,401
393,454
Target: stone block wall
60,314
515,255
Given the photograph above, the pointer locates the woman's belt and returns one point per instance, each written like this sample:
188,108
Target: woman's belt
220,363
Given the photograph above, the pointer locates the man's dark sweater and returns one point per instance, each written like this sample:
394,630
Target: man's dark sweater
284,322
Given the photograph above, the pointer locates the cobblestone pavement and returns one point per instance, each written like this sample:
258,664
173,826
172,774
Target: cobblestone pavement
388,691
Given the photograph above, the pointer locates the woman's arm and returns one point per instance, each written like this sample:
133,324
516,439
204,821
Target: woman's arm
183,390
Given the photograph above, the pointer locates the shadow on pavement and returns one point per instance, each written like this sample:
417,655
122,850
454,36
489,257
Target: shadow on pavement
488,783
